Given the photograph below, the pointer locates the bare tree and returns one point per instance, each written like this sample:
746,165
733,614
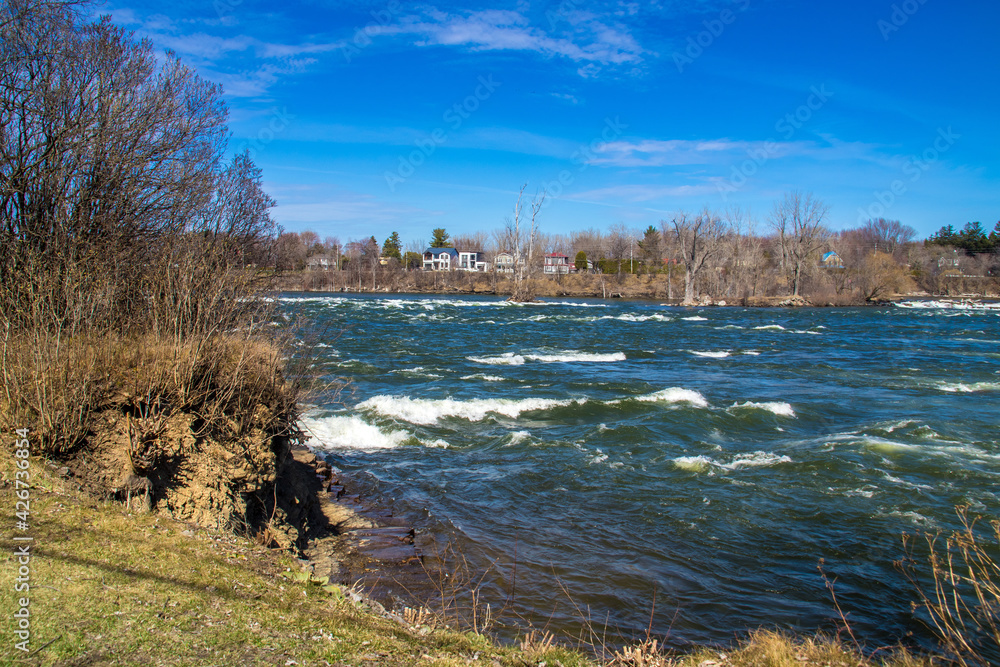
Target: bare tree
798,221
888,236
748,262
519,238
620,241
591,242
698,239
472,242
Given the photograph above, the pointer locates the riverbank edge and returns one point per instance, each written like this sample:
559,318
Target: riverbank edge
111,586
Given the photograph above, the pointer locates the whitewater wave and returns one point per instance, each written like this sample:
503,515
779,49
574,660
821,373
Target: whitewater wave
712,355
350,432
416,370
758,459
483,376
775,407
517,437
674,395
505,359
512,359
775,327
963,388
430,411
693,463
695,318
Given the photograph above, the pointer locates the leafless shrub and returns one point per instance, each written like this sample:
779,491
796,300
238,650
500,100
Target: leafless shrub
961,592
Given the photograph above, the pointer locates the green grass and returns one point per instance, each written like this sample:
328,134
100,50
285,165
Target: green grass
110,587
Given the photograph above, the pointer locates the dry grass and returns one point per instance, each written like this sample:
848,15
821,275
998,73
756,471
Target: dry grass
961,592
56,387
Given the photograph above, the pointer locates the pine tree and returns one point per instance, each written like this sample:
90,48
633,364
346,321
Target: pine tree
440,239
393,247
581,261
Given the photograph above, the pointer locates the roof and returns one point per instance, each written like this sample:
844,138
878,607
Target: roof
828,255
439,251
556,254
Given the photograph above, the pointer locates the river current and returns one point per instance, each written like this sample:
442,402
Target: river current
705,458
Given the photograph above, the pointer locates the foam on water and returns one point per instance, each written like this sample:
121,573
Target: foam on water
630,317
776,327
350,432
483,376
755,460
779,408
695,318
693,463
963,388
517,437
505,359
512,359
570,356
675,395
430,411
712,355
758,459
416,370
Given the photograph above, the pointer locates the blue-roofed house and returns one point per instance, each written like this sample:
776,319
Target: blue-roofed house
451,259
831,260
440,259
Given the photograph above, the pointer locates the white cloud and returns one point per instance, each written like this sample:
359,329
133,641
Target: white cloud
661,153
589,39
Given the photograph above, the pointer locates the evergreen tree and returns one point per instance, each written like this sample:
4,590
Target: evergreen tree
393,247
650,246
973,238
440,239
581,259
944,236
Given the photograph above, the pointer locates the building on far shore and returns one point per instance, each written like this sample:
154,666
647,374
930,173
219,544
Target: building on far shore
557,263
451,259
504,263
321,263
831,260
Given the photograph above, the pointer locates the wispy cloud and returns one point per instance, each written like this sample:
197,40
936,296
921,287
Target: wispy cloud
674,152
586,39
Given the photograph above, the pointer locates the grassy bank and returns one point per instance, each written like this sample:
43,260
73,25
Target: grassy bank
114,587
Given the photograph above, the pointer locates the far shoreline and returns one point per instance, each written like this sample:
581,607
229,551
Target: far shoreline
769,302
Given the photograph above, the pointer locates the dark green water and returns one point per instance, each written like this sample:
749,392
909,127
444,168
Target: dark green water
714,455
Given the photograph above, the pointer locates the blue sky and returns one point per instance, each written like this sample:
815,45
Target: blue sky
373,117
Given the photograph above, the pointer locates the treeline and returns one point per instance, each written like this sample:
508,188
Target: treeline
720,255
127,242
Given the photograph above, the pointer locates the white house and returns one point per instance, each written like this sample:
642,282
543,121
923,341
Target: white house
321,262
450,259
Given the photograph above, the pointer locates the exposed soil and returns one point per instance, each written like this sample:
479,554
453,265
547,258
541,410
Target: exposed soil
263,486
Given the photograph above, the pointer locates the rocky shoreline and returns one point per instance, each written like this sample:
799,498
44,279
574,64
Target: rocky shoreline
364,544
